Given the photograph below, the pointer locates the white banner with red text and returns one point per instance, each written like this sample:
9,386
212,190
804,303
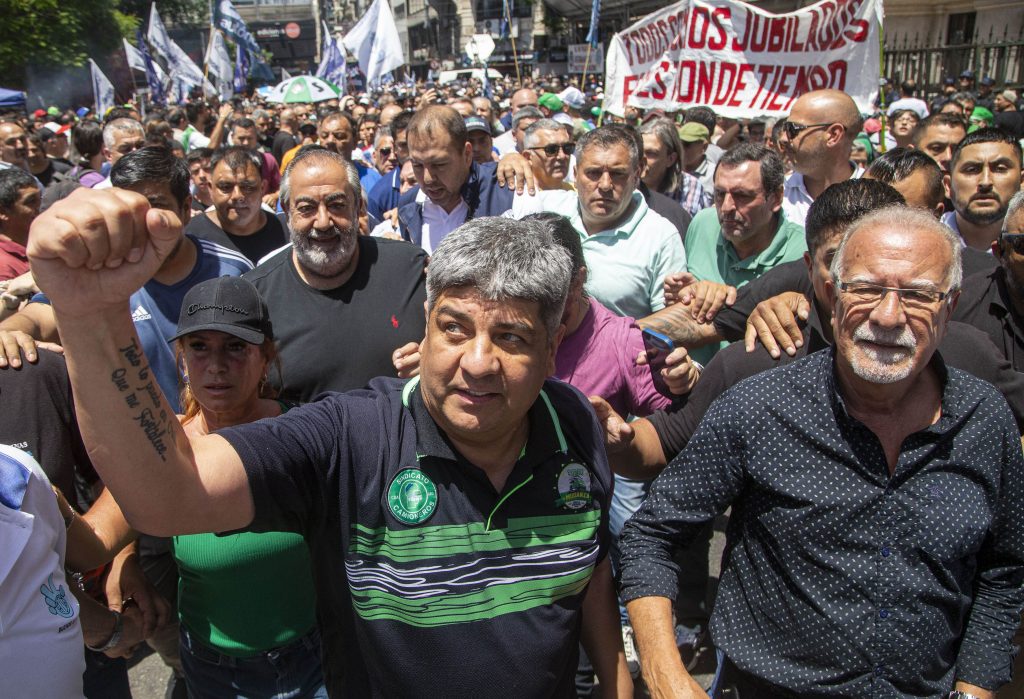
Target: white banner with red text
741,61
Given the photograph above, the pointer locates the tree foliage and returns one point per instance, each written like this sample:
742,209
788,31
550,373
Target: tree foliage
49,34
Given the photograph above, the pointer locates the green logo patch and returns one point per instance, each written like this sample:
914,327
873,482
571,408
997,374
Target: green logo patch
574,487
412,497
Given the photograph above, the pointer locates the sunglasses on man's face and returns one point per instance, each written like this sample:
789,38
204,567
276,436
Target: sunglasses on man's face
1013,240
794,130
552,149
386,152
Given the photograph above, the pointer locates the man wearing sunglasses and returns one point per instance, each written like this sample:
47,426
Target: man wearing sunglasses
120,137
817,139
548,149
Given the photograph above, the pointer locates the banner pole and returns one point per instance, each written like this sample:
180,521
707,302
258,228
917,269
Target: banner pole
881,88
586,65
206,57
515,56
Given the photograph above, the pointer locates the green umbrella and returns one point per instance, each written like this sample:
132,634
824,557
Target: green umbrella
303,88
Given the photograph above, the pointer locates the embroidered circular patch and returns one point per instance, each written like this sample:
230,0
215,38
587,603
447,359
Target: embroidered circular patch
574,487
412,497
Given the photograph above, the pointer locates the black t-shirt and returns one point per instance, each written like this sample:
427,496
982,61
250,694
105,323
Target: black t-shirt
985,303
39,418
429,581
283,142
338,340
53,167
731,321
255,246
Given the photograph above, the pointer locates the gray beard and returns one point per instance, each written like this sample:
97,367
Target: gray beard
322,263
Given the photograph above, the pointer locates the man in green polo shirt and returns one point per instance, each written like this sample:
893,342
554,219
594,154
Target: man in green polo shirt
746,234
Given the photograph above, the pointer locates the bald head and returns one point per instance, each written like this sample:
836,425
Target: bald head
832,106
388,113
819,134
289,120
523,98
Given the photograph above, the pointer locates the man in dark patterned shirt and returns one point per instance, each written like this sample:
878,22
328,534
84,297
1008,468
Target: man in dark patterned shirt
877,535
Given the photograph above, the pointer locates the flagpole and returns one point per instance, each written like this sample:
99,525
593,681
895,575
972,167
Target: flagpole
206,56
515,56
881,88
586,65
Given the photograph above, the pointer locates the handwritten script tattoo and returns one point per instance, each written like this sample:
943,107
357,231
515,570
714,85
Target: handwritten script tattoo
154,421
676,322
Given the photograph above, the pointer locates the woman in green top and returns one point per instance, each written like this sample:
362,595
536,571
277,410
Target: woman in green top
245,601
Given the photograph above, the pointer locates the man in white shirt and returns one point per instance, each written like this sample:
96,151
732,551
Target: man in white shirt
818,138
455,187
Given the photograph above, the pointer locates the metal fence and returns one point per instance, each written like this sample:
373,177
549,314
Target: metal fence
928,60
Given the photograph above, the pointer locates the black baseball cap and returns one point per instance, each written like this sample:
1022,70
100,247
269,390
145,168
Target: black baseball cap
230,305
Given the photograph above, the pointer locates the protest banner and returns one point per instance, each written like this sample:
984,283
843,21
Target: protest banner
578,58
742,61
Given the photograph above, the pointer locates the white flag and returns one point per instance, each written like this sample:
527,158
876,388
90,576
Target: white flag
157,35
219,62
375,41
138,62
102,89
183,70
135,59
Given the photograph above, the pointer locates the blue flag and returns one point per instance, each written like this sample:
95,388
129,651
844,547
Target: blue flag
227,19
595,16
157,93
506,17
241,69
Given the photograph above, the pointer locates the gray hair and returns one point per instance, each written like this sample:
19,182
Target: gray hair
260,113
1015,206
902,218
124,125
530,135
526,113
320,154
382,133
504,259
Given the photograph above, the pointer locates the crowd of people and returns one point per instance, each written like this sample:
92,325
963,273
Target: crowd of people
420,392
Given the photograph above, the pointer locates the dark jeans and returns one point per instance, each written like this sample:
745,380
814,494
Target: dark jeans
289,672
105,678
732,683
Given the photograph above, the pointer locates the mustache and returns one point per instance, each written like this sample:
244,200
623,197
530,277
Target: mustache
899,338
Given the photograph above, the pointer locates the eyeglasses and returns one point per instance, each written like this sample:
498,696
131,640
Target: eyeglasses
552,149
794,130
386,152
1014,240
863,292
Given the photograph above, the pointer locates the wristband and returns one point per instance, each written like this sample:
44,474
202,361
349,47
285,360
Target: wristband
115,637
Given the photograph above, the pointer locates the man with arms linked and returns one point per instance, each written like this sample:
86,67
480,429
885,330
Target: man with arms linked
877,539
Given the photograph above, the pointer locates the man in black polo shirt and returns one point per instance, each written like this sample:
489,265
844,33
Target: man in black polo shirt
238,220
458,523
877,536
994,302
